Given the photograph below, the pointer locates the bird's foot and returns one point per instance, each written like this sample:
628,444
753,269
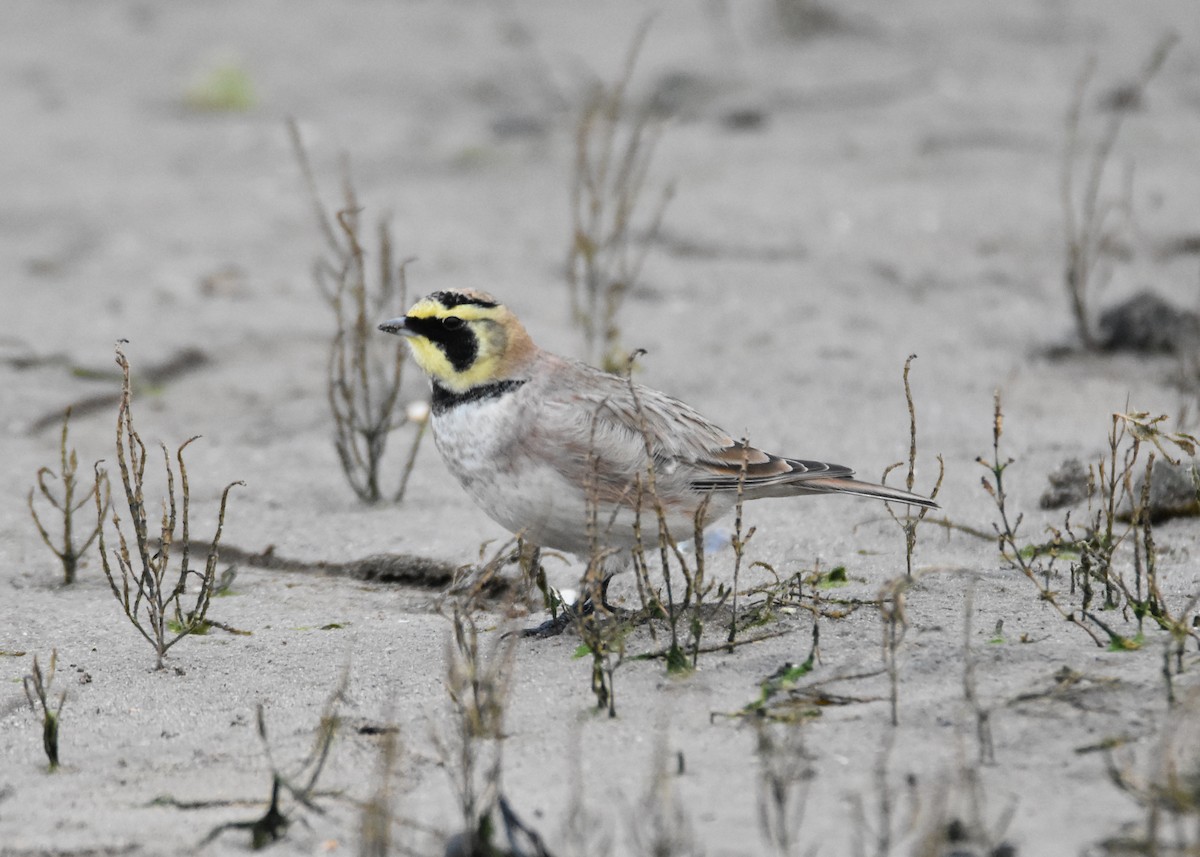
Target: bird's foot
551,627
555,626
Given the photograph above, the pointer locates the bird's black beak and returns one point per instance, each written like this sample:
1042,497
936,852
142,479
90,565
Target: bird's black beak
398,326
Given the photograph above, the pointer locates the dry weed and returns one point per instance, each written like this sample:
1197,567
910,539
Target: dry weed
37,690
365,371
1087,211
143,584
68,551
611,166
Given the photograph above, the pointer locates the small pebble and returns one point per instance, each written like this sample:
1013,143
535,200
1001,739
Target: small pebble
1068,485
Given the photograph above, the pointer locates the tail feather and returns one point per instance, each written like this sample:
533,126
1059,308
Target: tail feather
842,485
752,473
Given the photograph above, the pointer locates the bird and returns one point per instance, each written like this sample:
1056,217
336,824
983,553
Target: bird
578,460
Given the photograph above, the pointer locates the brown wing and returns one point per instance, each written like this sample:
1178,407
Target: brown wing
599,417
599,430
761,471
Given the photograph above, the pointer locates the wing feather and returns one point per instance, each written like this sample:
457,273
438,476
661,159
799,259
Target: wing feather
605,432
613,429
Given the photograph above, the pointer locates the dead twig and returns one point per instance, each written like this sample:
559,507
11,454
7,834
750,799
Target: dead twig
610,176
37,691
365,372
68,551
142,582
1086,211
911,519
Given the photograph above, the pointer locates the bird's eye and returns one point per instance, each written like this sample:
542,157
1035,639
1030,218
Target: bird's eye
452,322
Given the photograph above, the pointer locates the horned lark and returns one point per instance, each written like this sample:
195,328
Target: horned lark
569,456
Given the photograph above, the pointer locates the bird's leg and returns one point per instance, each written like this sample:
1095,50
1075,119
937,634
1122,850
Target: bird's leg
604,594
530,558
612,565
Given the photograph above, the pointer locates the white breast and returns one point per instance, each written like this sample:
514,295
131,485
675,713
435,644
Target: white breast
485,445
480,443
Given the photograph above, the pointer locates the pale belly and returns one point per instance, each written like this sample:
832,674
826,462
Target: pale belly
529,497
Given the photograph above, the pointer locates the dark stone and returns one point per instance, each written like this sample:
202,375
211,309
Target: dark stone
744,118
681,94
1068,485
1148,324
1172,492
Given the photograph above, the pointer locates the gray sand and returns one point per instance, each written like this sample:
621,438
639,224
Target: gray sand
901,196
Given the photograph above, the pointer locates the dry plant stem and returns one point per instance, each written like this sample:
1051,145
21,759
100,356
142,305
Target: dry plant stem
586,832
740,540
946,524
1144,429
663,827
1104,533
647,595
609,178
912,520
478,688
1144,562
365,372
68,552
1168,793
363,414
885,809
375,824
37,691
533,573
1085,214
1095,545
1181,630
411,461
698,584
471,584
883,833
149,595
895,627
670,655
1006,529
1098,545
783,782
667,545
647,486
957,820
601,633
301,785
983,721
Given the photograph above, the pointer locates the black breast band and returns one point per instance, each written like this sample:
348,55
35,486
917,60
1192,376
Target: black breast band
445,400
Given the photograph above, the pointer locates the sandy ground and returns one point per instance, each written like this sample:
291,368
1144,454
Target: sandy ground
900,196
